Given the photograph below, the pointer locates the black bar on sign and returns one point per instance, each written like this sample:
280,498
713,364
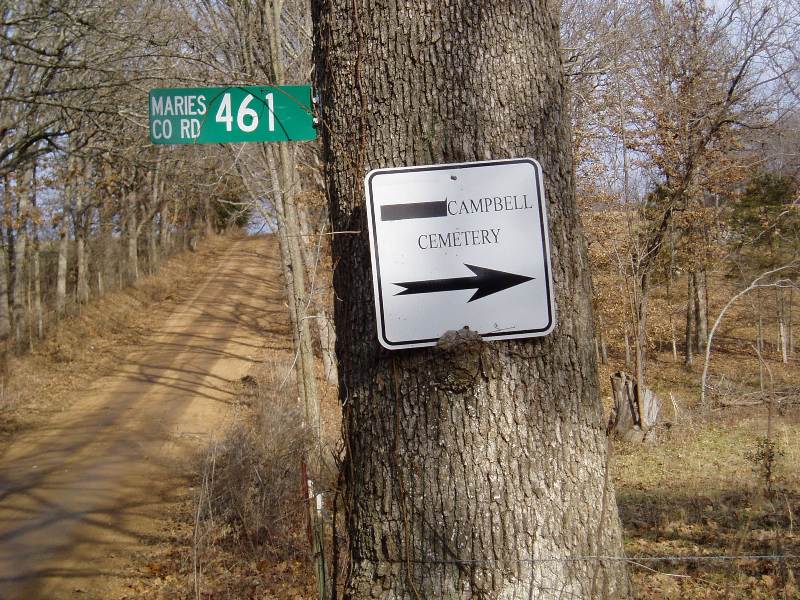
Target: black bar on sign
414,210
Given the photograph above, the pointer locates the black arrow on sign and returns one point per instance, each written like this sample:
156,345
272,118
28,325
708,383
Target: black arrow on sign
487,282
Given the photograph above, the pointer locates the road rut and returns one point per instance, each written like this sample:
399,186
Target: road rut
83,493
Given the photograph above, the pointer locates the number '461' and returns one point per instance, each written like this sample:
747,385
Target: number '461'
246,117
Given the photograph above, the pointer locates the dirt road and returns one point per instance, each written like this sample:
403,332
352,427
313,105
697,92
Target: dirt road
81,495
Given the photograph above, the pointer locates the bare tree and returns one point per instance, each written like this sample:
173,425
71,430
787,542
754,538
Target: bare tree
757,284
663,94
73,82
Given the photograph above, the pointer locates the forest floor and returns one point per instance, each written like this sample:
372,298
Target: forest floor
102,422
696,491
699,490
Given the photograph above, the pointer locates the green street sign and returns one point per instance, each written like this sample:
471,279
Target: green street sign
218,115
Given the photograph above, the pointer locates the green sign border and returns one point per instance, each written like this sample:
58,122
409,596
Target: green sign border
200,121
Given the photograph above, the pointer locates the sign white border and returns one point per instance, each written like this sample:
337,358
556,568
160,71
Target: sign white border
375,258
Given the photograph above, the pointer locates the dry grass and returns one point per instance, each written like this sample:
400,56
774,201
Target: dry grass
699,489
249,512
696,492
243,535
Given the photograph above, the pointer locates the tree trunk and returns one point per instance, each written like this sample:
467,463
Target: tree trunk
63,248
132,262
670,284
19,311
700,310
156,201
282,170
466,462
780,308
104,248
691,319
5,313
176,227
29,318
296,294
152,248
327,342
789,316
630,405
82,284
36,275
149,223
641,305
207,217
759,335
311,244
163,230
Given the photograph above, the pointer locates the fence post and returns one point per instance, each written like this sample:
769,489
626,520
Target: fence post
316,533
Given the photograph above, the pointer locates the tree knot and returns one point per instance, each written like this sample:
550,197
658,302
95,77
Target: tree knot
457,364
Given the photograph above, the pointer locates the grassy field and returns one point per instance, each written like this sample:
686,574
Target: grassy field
721,480
701,491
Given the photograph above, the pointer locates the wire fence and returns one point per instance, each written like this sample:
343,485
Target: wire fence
540,578
570,576
599,558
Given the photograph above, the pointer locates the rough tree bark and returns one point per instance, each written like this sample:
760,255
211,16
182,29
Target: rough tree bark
700,310
5,313
81,250
63,247
132,262
691,307
18,308
467,462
